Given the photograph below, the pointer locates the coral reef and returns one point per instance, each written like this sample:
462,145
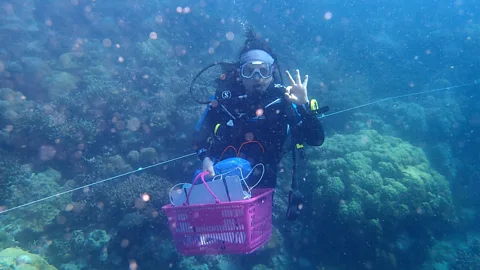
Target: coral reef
370,175
19,259
59,84
458,252
468,257
99,88
380,188
35,217
128,193
94,244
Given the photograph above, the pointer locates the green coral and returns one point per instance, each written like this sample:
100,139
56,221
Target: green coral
19,259
370,176
351,210
334,187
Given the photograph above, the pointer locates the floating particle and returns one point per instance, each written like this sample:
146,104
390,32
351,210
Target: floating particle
180,50
69,207
158,19
47,152
230,35
214,103
328,15
124,243
133,265
107,42
153,35
100,205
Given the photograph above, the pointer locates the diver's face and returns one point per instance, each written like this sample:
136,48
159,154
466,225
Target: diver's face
256,76
256,84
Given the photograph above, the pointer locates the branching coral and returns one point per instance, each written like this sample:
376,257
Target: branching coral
29,125
94,244
468,258
37,186
129,191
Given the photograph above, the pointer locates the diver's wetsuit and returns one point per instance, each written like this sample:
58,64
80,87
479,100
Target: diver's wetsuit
264,121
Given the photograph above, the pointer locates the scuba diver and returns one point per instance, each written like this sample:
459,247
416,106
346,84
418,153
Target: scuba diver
254,116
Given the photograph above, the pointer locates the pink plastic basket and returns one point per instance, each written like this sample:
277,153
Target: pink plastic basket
238,227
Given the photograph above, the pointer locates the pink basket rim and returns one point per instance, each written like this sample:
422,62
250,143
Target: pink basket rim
265,191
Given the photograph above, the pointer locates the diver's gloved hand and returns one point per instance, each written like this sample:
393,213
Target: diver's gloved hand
208,166
297,91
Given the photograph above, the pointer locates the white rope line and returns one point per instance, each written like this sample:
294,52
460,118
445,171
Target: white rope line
95,183
399,96
191,154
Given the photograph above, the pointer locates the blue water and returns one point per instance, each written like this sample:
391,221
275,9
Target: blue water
95,104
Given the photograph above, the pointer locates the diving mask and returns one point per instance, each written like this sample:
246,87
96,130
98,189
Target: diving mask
263,69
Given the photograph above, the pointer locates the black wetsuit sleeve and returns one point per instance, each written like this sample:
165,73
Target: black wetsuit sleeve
202,136
309,127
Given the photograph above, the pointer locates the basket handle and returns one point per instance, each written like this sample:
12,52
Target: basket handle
202,177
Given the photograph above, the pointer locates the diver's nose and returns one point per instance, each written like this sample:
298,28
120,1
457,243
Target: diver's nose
256,76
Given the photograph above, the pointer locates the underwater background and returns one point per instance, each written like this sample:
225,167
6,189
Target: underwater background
92,89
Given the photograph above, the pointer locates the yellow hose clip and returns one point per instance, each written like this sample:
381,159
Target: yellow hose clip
216,129
299,146
314,105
